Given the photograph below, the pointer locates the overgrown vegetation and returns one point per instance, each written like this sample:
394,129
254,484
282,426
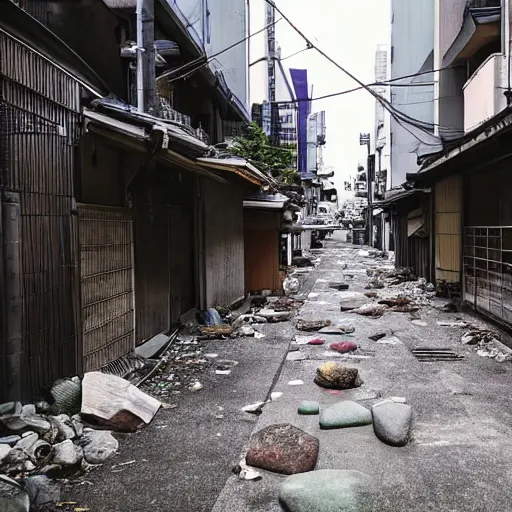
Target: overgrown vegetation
276,161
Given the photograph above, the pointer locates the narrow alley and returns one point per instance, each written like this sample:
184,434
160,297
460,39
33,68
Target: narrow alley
458,457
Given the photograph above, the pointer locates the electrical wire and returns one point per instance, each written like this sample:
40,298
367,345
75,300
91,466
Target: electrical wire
296,53
399,116
206,59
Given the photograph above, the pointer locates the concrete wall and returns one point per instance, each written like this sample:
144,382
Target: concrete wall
258,49
412,41
215,25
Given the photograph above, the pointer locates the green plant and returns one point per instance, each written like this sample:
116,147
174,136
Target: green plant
256,147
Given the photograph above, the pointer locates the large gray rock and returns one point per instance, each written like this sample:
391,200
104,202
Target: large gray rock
327,490
13,497
392,422
345,414
42,490
101,445
283,449
67,453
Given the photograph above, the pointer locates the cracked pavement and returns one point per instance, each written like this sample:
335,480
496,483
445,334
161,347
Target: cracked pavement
458,458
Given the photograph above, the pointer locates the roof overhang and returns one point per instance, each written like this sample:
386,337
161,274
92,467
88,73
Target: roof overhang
471,143
238,166
264,205
479,28
137,139
399,196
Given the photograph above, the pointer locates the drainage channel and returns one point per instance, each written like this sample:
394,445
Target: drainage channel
426,354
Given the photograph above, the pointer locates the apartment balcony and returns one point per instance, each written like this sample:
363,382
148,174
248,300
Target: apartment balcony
483,92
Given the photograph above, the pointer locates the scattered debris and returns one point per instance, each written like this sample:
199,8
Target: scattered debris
316,341
275,395
392,340
343,347
222,372
334,376
377,337
254,408
312,325
291,285
419,323
295,356
453,324
487,344
196,386
339,329
371,295
373,310
114,402
216,331
297,382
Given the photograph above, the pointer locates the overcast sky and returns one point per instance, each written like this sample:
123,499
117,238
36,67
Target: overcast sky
349,32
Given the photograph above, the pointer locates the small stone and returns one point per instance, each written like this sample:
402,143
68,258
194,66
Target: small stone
35,423
296,356
345,414
316,341
392,422
419,323
101,445
64,427
309,407
28,410
67,453
27,441
343,347
43,407
341,329
332,375
10,440
7,408
355,302
283,449
4,451
327,490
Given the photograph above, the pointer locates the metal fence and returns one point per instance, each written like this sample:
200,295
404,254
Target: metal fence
488,269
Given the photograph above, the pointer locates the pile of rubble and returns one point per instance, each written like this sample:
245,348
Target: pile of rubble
487,344
70,435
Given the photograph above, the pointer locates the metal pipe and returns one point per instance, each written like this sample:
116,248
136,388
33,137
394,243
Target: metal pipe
140,57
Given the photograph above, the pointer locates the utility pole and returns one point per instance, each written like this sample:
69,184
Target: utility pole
146,79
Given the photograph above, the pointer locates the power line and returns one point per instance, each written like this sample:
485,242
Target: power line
205,60
396,114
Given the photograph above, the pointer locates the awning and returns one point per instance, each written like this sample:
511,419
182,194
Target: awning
238,166
470,143
397,196
137,138
327,184
264,200
481,26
